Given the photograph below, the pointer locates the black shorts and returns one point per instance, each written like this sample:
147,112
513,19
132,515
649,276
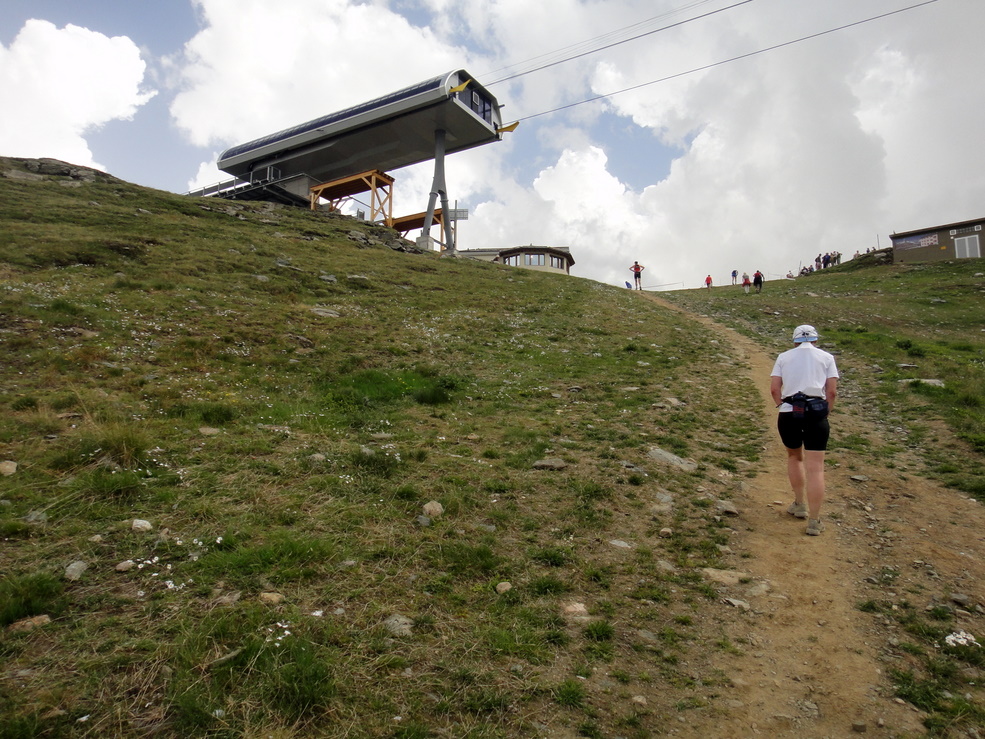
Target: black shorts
799,432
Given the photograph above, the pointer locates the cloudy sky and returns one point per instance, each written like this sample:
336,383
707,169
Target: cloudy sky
743,136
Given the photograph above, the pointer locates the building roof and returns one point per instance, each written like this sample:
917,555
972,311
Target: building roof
387,133
945,227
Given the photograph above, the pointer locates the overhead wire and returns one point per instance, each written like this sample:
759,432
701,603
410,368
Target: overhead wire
603,37
730,60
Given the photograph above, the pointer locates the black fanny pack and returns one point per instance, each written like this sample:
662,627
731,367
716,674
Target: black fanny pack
810,407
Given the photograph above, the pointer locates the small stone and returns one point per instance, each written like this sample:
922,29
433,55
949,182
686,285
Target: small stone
8,468
724,577
423,521
209,431
125,566
666,532
666,566
727,507
74,571
639,699
621,544
550,464
576,611
317,458
399,625
503,587
740,604
271,599
960,598
140,524
96,539
433,509
27,624
36,517
859,478
859,727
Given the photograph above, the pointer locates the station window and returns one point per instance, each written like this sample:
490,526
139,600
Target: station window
533,260
557,262
481,105
514,260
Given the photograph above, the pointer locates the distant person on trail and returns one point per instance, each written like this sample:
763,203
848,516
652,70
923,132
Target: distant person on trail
708,282
757,281
735,275
746,282
804,385
637,270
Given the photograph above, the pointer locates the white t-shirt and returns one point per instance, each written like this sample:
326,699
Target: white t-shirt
805,369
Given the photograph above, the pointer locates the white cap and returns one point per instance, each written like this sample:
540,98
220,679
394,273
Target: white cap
804,333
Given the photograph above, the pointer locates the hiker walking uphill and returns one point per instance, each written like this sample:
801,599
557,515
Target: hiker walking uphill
757,281
708,282
746,282
637,270
804,384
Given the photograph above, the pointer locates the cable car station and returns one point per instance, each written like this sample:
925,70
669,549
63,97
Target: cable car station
349,152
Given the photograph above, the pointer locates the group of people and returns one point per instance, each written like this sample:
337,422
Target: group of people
757,280
829,259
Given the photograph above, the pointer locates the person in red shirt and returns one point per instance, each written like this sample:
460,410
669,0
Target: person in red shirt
637,270
708,282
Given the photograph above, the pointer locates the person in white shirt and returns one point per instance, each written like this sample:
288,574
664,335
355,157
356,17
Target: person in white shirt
804,385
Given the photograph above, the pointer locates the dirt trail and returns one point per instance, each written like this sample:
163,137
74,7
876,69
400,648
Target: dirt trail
811,663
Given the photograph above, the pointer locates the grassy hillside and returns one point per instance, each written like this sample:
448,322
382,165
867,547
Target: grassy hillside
279,394
896,325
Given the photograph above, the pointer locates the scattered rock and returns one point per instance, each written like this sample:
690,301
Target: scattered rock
724,577
433,509
760,588
666,566
140,524
27,624
666,532
317,458
8,468
503,587
575,611
36,517
666,457
639,699
726,507
272,599
329,278
621,544
550,464
209,431
125,566
961,599
860,727
933,382
740,604
228,599
326,313
423,521
859,478
399,625
74,571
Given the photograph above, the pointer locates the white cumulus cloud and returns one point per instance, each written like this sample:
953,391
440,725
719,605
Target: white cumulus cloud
58,84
